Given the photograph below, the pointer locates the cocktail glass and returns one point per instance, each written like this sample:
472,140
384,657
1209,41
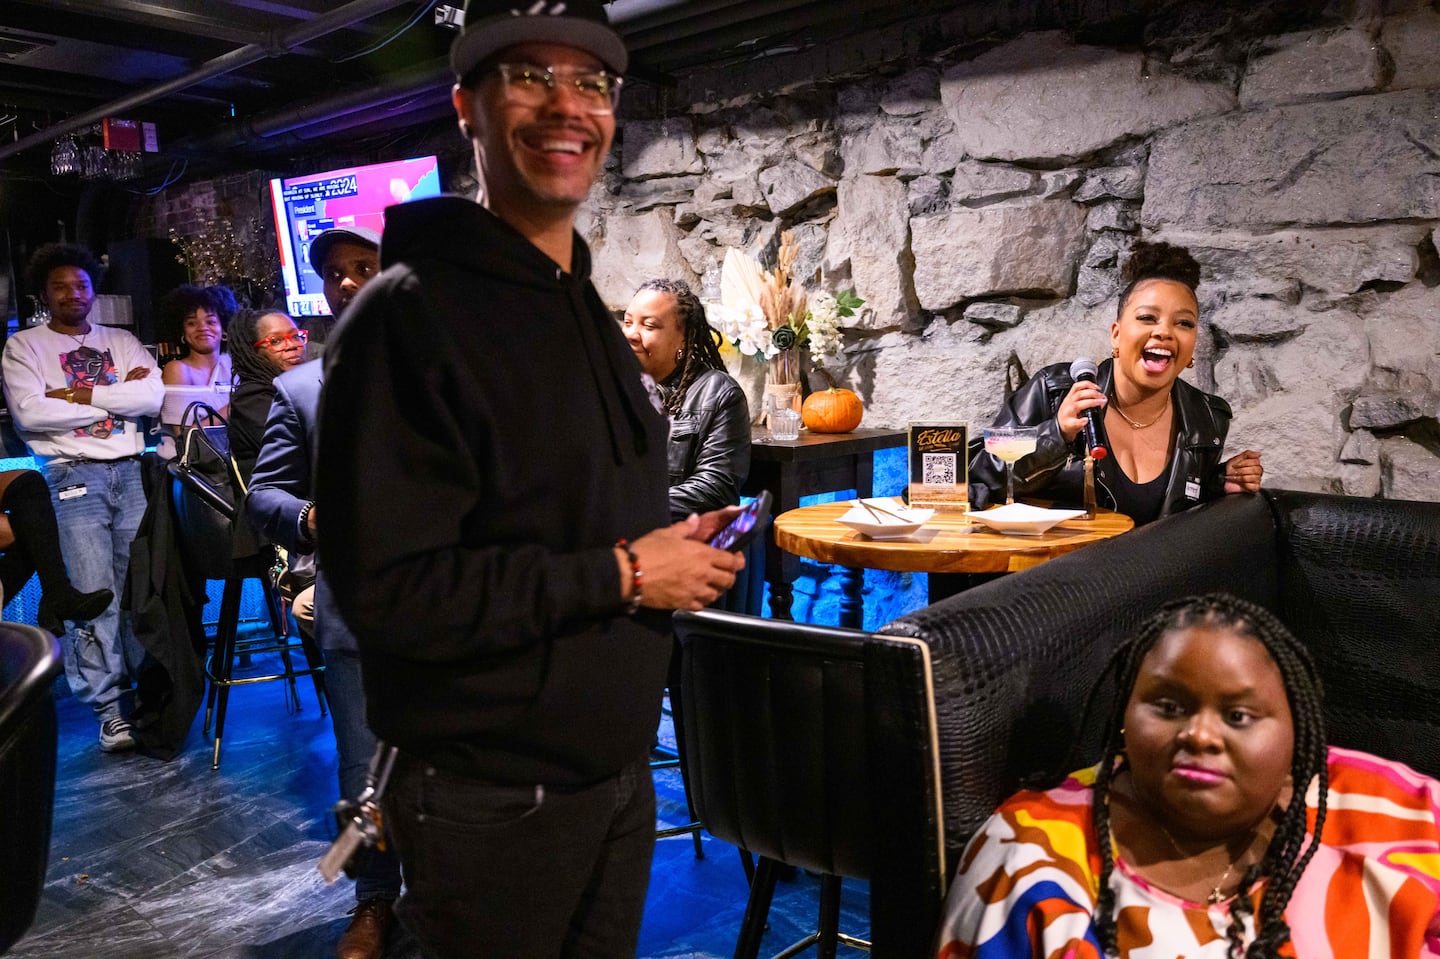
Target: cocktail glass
1010,443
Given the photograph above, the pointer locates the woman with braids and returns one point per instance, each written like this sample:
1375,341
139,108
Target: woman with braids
709,420
1164,436
1196,834
263,344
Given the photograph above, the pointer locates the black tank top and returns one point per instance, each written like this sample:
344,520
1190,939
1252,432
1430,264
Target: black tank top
1139,501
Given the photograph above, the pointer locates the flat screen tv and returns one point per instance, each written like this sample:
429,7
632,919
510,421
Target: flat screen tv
350,196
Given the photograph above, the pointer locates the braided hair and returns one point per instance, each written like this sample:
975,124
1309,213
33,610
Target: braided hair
251,362
1288,853
700,352
1157,261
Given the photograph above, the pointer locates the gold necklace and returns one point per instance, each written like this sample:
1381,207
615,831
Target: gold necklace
1217,893
1135,424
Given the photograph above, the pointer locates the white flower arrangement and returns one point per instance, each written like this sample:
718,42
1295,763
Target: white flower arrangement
763,313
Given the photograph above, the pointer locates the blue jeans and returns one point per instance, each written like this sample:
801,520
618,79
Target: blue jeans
96,529
522,872
379,872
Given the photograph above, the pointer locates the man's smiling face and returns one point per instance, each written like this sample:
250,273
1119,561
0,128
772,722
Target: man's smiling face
537,158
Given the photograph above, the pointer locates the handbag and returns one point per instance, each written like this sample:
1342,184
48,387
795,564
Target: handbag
207,492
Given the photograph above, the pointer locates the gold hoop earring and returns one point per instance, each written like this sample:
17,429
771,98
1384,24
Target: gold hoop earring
1115,352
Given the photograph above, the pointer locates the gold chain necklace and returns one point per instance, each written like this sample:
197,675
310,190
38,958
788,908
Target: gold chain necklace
1217,893
1137,425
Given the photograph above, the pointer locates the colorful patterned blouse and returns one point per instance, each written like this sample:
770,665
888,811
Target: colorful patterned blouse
1028,881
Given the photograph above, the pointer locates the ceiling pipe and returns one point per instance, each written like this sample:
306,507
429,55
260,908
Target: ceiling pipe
414,82
281,42
425,78
150,15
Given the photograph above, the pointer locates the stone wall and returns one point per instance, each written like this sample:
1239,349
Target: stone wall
188,208
980,197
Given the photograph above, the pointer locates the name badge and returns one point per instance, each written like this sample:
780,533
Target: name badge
1192,489
71,492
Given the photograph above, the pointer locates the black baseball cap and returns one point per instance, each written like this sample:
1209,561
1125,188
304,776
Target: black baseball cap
493,25
320,246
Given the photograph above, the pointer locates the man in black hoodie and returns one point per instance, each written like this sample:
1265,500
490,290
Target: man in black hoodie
496,533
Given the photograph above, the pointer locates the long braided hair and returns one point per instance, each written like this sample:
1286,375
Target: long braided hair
1288,853
251,362
700,352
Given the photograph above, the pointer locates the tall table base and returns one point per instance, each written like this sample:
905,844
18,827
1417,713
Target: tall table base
814,463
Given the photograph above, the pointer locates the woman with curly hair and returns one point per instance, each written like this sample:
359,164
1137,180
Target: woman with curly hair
1217,824
709,419
1164,436
190,318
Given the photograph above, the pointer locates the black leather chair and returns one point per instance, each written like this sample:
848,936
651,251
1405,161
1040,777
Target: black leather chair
29,663
815,747
1357,580
204,518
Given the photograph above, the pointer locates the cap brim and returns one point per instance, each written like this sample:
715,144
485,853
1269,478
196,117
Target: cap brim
493,34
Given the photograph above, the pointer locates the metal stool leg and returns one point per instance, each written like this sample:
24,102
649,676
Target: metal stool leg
757,910
225,643
829,916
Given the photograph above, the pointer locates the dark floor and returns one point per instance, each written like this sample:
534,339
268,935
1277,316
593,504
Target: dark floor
153,860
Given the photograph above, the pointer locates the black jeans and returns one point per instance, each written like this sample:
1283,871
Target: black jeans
528,872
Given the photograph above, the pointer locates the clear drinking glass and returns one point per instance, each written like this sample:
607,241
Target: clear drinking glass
784,420
1010,443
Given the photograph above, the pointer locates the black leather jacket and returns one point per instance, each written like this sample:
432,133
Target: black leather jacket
1056,469
709,445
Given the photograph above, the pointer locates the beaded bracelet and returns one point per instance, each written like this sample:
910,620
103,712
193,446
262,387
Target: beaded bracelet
304,522
636,577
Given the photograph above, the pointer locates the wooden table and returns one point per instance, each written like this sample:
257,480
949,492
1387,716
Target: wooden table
790,469
947,544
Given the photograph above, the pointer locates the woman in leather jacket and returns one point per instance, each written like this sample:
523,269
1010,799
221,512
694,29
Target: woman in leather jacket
1164,436
709,419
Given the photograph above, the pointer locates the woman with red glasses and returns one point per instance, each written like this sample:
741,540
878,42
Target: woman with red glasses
263,344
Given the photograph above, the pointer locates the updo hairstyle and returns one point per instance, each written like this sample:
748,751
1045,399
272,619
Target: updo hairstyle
1158,261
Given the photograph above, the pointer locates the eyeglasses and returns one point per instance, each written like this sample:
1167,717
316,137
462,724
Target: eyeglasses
527,85
279,341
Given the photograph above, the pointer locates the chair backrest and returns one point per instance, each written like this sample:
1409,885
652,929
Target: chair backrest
29,663
1360,585
1016,658
207,493
817,747
1357,580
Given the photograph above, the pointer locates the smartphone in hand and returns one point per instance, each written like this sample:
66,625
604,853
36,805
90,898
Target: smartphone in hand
750,522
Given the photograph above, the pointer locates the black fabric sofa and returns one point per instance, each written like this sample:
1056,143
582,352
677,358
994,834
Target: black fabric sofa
1015,659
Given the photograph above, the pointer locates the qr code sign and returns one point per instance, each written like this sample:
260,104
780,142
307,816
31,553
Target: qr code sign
939,469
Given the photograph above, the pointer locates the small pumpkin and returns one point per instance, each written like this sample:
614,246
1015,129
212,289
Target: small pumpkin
834,410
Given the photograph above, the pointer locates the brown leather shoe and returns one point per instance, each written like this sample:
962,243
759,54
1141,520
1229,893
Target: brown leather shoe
365,937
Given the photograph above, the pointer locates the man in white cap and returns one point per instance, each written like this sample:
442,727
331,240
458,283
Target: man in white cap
497,532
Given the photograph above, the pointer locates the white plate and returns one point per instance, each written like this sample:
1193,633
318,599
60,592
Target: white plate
1022,519
880,524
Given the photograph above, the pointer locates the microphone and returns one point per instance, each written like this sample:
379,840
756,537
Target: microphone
1083,369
